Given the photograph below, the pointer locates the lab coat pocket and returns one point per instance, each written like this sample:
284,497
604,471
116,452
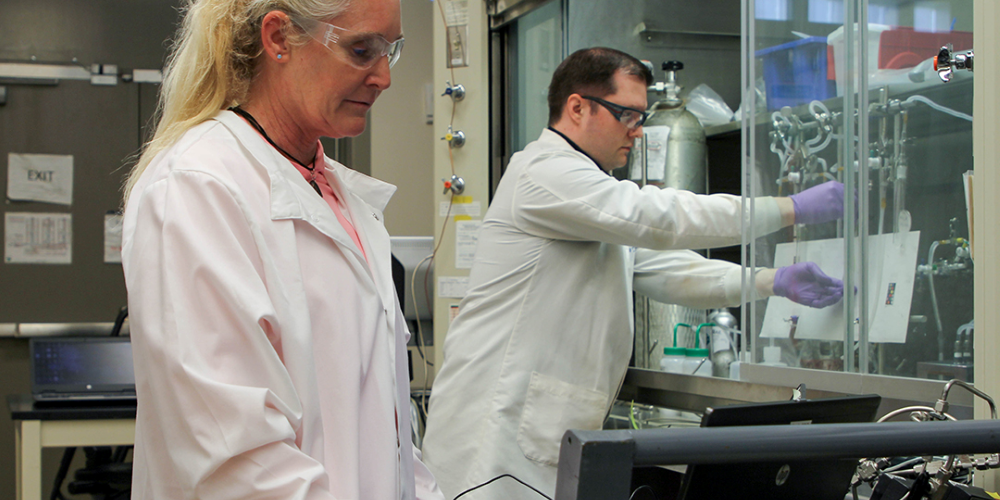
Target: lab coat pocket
550,409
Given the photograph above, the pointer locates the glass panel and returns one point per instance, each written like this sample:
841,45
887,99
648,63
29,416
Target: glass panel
902,147
772,10
707,46
538,50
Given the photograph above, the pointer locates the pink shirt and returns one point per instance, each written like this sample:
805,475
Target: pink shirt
338,206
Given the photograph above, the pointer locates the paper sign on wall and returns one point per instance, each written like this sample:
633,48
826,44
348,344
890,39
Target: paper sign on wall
472,209
34,238
44,178
112,238
466,236
456,14
452,287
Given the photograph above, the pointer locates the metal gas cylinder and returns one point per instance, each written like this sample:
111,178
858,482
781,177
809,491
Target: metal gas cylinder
722,348
675,154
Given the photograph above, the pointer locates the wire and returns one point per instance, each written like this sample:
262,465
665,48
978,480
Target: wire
637,490
440,239
498,477
416,307
899,411
421,348
912,461
934,105
451,202
451,122
420,330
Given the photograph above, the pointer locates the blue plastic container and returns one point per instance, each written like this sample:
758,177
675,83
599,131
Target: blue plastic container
796,73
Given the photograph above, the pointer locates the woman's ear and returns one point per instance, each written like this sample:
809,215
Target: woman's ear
272,35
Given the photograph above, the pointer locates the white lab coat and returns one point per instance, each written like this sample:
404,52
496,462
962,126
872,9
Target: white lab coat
544,335
270,358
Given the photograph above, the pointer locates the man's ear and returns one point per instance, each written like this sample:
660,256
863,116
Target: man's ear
272,35
575,108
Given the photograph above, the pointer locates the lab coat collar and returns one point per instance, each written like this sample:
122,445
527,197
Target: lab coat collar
293,198
554,137
373,191
290,193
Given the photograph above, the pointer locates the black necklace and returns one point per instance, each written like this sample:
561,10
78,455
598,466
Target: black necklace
253,122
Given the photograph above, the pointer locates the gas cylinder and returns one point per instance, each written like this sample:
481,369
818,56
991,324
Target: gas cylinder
723,352
675,154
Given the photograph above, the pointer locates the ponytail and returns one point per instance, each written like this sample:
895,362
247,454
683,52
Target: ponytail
212,62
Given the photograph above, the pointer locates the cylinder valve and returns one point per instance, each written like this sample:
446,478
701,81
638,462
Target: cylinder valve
455,139
456,185
947,61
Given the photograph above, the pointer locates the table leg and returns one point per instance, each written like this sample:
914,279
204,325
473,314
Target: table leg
28,442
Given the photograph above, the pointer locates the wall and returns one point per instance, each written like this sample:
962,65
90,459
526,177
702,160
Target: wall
73,118
402,142
100,126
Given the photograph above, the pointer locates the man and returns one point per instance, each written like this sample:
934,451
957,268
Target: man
543,337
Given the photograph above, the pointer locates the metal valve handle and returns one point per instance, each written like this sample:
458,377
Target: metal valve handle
454,139
456,185
456,92
947,61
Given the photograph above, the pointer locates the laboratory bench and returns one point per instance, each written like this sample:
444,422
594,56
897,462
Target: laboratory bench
52,425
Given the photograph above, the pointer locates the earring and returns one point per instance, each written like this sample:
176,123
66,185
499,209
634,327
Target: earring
279,56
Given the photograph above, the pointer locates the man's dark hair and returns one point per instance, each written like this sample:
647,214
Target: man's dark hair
591,72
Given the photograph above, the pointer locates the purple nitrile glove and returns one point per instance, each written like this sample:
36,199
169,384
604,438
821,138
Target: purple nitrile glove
806,284
820,203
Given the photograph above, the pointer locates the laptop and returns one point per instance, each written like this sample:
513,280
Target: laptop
826,479
81,369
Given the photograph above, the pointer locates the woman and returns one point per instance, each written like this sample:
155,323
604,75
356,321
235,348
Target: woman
269,344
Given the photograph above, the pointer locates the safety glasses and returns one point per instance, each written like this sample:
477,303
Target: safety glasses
630,117
363,50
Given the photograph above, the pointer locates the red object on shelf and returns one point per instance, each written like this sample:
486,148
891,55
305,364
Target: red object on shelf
831,70
904,47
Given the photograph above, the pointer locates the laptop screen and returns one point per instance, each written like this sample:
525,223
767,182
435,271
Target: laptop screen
786,479
86,367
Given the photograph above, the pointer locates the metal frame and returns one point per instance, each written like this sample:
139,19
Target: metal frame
598,464
499,107
502,12
694,393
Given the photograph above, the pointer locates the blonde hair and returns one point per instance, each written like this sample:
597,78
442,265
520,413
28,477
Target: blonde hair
212,62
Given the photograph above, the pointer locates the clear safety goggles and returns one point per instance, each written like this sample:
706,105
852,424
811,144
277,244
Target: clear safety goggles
363,50
630,117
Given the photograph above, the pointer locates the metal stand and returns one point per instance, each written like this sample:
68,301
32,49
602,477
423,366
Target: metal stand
598,464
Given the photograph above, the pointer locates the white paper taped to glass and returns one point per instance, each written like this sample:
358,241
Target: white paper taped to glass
891,274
